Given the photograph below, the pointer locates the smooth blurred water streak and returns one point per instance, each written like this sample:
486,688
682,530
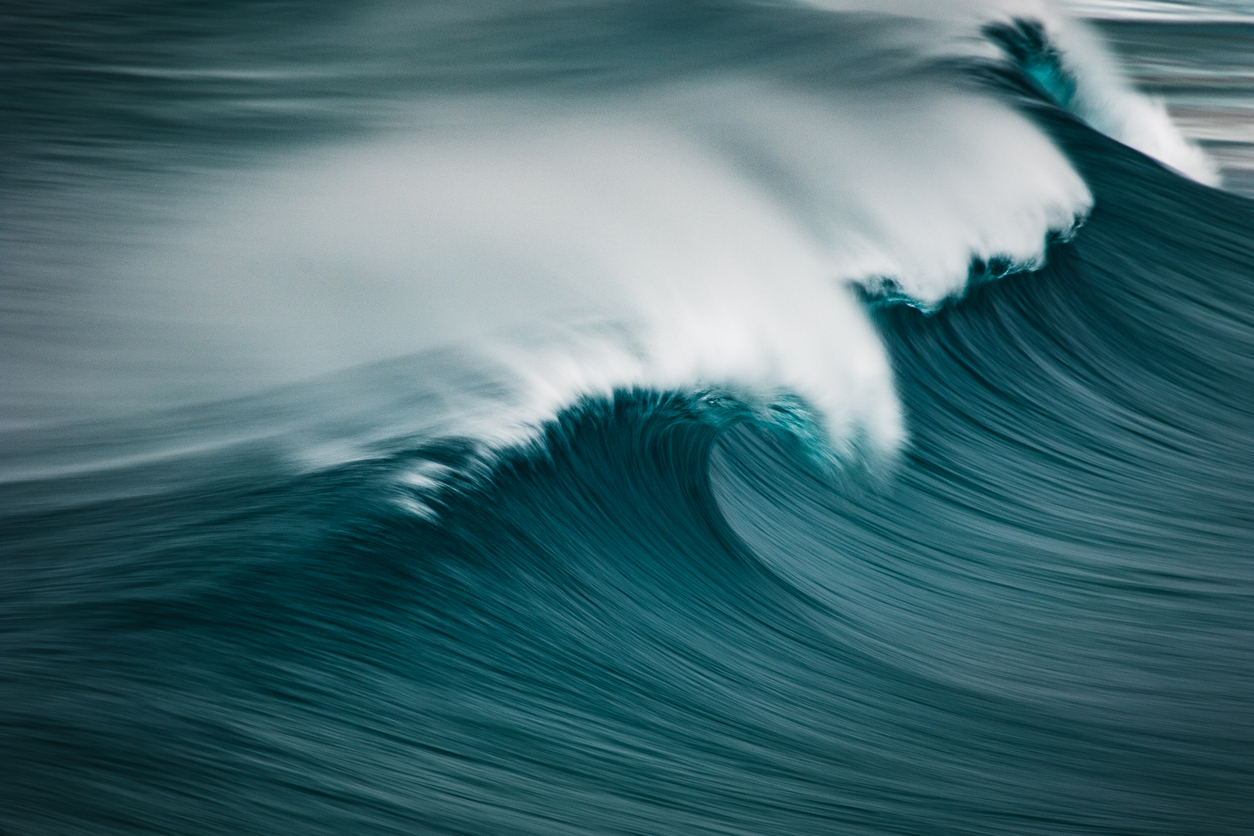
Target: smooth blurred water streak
625,418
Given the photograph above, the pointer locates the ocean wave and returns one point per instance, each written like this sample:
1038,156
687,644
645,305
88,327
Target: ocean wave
702,235
712,431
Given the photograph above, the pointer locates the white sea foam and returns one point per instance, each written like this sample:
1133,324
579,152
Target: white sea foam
715,228
1104,98
699,235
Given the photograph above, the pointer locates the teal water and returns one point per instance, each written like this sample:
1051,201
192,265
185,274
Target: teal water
464,419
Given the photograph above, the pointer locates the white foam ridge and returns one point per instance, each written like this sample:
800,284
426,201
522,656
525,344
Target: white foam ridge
1103,96
717,228
1105,100
703,235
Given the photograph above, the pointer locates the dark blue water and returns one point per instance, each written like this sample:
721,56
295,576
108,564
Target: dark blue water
341,605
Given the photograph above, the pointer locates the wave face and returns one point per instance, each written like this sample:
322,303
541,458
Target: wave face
612,418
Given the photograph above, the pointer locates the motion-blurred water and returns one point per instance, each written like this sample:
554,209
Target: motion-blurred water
1198,58
627,417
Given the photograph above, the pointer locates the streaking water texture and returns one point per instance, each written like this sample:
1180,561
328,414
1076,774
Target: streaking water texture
624,418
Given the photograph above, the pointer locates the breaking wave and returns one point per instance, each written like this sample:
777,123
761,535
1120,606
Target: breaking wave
612,418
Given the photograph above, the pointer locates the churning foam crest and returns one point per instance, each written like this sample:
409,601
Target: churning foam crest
697,235
716,228
1105,100
1103,96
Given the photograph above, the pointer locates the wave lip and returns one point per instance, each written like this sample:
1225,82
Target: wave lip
715,230
718,225
1069,66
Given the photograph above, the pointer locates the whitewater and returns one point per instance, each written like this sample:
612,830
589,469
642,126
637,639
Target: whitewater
628,417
